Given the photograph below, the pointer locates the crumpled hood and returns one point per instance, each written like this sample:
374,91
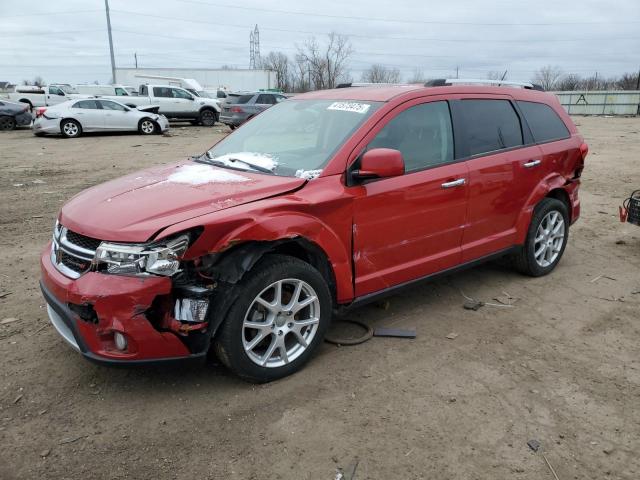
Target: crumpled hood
135,207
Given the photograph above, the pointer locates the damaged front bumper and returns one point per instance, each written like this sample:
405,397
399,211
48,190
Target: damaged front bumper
92,311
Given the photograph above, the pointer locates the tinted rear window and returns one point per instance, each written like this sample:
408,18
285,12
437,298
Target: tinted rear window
544,122
491,125
241,99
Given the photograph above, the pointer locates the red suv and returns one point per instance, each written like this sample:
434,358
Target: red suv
325,201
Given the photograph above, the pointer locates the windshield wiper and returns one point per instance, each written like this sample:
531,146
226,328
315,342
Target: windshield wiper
230,162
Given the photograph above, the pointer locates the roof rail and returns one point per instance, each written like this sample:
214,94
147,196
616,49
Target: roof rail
365,84
442,82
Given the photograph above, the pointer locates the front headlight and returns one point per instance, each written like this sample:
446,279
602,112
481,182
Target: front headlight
160,258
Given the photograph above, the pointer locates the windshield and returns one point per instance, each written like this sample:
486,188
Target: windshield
67,89
293,138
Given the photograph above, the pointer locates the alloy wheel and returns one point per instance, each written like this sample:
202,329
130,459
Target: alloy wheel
549,239
281,323
7,123
147,126
70,129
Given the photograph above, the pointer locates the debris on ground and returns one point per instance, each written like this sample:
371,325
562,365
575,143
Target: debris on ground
394,332
535,446
17,399
8,320
72,439
6,294
348,473
45,453
594,280
474,305
452,336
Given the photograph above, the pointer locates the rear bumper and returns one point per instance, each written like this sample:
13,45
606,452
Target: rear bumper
23,119
233,119
120,304
43,125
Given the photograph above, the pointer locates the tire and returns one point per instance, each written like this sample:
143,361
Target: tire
7,123
232,127
208,117
194,122
70,128
549,216
256,342
146,126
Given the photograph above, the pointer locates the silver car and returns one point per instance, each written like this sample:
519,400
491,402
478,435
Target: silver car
74,117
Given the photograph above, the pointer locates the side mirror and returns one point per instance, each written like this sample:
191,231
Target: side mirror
379,163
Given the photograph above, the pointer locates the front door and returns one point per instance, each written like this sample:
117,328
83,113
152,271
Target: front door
410,226
89,114
117,117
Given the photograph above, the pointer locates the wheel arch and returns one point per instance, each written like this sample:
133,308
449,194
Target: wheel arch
64,119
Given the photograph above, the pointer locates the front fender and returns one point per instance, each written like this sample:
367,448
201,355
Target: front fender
281,226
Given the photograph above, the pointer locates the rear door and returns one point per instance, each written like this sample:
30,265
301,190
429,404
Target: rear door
89,114
505,166
163,97
264,101
410,226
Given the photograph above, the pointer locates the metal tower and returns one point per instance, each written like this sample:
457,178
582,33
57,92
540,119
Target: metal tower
254,48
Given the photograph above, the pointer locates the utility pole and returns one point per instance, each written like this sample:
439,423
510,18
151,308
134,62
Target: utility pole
638,82
135,56
457,71
113,60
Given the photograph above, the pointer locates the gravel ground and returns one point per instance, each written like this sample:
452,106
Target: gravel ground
561,365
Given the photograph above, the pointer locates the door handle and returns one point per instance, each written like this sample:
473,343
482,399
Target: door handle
532,163
454,183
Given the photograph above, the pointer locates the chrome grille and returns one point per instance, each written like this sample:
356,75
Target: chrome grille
71,252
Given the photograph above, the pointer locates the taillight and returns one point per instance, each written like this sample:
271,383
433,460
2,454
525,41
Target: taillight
236,109
584,149
40,111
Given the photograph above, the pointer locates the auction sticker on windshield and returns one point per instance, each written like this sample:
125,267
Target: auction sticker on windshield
349,107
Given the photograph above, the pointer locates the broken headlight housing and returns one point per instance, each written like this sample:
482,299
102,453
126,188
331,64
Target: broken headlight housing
158,258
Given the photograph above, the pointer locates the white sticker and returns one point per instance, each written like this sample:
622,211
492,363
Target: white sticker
349,107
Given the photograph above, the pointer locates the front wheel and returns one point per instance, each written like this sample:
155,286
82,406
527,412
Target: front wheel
282,311
147,127
546,239
70,128
208,118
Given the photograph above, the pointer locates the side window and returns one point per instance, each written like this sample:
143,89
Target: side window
55,91
143,91
221,94
178,93
120,91
265,99
107,105
422,133
162,92
544,122
491,125
86,104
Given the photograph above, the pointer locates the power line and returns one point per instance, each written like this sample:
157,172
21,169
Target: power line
376,37
50,13
388,20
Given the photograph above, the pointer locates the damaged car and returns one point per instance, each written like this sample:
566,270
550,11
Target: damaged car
324,202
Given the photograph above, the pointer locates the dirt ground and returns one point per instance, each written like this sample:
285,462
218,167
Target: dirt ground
560,366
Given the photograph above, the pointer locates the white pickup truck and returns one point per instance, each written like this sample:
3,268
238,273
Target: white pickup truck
43,96
175,103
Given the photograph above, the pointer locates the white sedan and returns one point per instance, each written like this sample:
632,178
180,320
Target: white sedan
74,117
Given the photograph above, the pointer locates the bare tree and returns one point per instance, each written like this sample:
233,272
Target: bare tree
327,65
417,76
279,63
629,81
548,77
380,74
37,81
569,82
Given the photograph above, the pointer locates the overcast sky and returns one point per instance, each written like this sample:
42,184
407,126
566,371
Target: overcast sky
66,41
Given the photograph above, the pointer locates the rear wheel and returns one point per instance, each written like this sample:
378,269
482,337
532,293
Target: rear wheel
147,126
70,128
208,117
546,239
280,316
7,122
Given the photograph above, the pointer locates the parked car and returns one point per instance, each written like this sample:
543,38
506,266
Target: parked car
73,118
176,103
238,110
13,114
117,90
326,201
36,96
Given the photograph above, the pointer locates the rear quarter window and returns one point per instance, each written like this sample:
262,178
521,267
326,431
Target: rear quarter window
544,122
242,99
490,126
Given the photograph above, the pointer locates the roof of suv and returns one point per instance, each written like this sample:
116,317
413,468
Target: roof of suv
384,93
